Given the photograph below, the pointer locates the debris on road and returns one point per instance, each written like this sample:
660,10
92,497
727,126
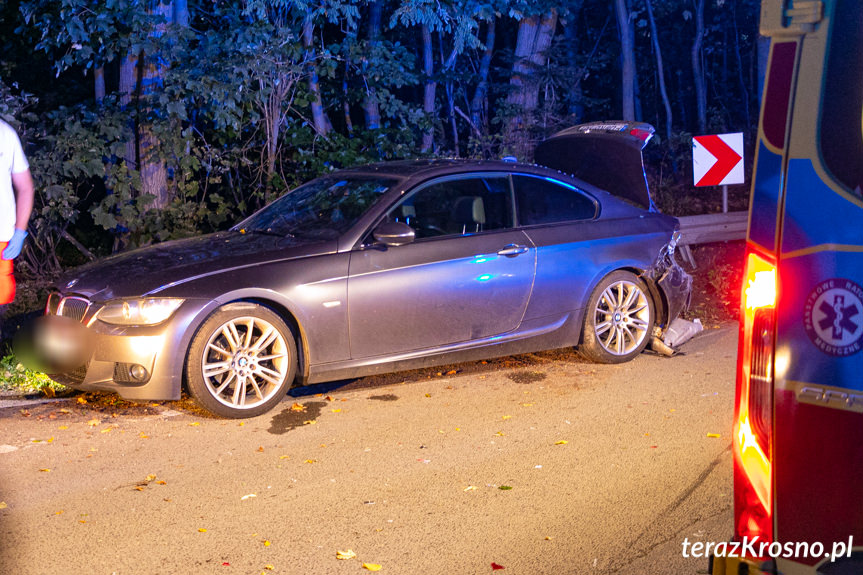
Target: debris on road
680,331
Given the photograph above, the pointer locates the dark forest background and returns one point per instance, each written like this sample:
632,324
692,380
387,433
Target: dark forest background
146,120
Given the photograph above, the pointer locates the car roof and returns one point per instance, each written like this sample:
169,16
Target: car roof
428,167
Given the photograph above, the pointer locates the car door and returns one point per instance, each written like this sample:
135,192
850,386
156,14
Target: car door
571,244
467,275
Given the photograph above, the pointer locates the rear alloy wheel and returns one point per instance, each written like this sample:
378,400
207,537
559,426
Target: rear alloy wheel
618,319
242,361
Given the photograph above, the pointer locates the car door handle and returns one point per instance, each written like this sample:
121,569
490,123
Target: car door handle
512,250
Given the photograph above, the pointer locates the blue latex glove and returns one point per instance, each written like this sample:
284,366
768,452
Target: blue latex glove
15,244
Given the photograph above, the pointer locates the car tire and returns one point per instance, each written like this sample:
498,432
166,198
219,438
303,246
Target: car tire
242,361
618,319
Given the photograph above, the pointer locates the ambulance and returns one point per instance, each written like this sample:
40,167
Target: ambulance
798,418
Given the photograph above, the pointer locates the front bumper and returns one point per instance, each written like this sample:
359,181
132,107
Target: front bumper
138,363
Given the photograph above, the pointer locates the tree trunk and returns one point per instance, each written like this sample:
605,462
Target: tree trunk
575,94
744,92
659,69
99,84
319,117
370,104
763,54
627,57
697,71
534,38
154,174
478,102
129,87
181,13
430,85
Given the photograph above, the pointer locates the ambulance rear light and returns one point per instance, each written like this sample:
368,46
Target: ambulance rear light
754,410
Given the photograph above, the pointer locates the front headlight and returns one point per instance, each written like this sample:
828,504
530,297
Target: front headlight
143,311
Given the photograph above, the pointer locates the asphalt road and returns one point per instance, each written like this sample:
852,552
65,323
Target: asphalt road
542,464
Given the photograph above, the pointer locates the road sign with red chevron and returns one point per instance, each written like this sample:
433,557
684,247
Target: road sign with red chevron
717,160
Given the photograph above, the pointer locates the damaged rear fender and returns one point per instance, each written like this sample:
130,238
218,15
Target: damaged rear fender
671,285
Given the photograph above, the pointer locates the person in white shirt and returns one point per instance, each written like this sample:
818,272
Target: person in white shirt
16,203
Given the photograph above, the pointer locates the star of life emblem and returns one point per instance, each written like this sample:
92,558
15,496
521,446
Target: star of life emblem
833,317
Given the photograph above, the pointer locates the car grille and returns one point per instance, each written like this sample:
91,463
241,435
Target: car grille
73,307
78,374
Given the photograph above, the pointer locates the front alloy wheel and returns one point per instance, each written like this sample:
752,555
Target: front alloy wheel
242,361
619,319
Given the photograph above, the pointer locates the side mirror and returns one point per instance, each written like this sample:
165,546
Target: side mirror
394,234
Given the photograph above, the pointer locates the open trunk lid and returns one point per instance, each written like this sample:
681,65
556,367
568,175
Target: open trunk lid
604,154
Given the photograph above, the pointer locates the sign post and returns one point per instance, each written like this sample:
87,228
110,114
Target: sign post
717,160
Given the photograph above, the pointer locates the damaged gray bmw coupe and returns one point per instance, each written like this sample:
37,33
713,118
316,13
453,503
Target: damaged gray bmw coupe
388,267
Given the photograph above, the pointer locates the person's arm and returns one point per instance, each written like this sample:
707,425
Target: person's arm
22,182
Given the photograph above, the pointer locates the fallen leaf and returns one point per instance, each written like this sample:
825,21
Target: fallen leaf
225,564
195,424
46,470
161,483
201,530
345,555
63,427
242,423
496,567
527,405
58,512
500,433
261,449
139,488
561,442
3,505
336,410
142,436
428,394
266,543
150,477
284,456
548,538
249,496
269,567
372,566
93,422
310,422
470,488
64,410
81,400
106,430
714,435
505,487
451,372
311,461
298,407
329,398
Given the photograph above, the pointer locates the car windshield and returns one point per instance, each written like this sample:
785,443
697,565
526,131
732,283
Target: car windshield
322,208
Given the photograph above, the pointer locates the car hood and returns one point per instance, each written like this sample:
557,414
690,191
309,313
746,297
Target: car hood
604,154
147,270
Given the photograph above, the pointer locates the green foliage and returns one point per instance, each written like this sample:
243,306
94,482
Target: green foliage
16,377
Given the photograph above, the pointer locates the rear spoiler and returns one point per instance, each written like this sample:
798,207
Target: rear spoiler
604,154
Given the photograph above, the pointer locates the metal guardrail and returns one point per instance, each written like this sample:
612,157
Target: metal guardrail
713,228
710,228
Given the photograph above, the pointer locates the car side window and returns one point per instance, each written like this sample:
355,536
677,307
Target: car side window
545,201
457,206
